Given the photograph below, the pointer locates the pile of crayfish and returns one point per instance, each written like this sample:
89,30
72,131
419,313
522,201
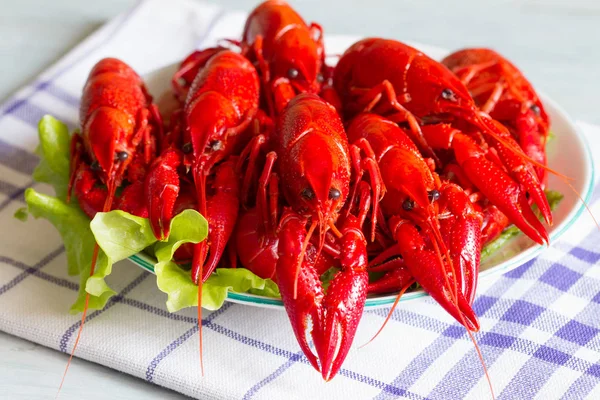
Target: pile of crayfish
390,167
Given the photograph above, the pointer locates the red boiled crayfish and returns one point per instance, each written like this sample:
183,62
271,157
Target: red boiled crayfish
288,53
119,130
435,227
392,79
220,105
310,160
501,90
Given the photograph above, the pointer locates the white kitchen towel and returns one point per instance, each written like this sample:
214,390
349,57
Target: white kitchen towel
539,322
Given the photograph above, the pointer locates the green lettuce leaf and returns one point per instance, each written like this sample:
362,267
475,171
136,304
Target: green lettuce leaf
68,219
177,283
182,292
120,235
54,155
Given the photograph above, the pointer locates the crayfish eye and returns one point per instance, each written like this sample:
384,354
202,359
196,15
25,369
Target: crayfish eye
307,193
122,155
536,109
320,78
187,148
433,195
448,94
95,166
408,205
334,194
293,73
215,145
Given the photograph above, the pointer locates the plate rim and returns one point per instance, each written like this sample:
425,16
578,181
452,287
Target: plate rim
146,262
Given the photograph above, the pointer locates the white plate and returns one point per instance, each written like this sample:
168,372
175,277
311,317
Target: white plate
573,160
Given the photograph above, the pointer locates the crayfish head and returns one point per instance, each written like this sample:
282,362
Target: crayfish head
436,93
297,57
318,182
412,187
106,137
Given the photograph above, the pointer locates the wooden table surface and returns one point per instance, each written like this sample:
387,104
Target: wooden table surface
556,43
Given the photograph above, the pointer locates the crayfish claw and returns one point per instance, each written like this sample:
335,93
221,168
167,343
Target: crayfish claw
342,309
331,316
161,190
433,273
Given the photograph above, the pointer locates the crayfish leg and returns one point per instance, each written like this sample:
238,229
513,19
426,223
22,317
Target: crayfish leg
432,274
161,190
304,310
461,231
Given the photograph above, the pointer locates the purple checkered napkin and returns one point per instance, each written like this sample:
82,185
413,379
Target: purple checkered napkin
539,323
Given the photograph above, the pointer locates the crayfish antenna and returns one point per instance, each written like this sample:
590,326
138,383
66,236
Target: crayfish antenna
83,317
461,314
107,206
587,207
480,356
387,318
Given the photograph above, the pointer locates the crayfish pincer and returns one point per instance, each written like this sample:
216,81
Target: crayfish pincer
333,314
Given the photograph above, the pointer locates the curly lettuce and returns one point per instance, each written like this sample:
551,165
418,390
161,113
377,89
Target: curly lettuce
181,290
120,235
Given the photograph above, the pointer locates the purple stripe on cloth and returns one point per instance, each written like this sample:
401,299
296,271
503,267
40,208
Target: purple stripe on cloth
522,312
31,114
528,381
155,310
412,319
40,274
560,277
10,190
62,95
519,271
16,195
168,350
577,332
278,372
29,270
467,373
288,354
469,370
585,255
17,159
64,340
417,367
180,340
580,388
